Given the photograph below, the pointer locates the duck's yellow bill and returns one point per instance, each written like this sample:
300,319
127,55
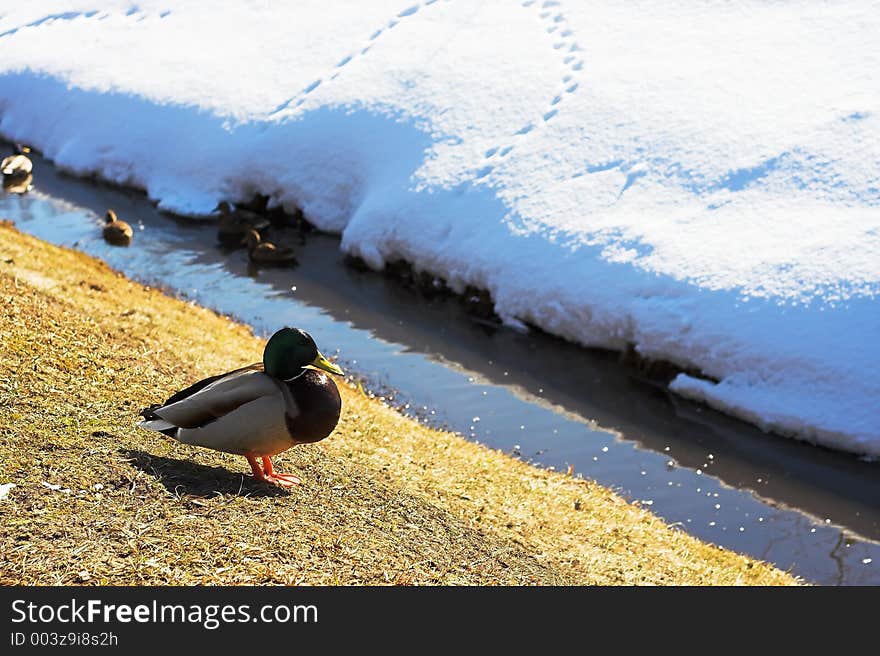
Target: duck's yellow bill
320,362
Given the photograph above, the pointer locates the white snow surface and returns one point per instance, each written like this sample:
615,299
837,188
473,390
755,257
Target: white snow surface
698,179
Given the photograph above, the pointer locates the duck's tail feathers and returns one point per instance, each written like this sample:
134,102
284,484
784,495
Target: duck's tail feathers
154,422
159,425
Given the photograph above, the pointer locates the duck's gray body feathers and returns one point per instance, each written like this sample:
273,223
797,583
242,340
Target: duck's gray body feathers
247,412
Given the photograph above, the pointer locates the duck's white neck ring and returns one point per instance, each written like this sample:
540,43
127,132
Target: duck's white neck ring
287,380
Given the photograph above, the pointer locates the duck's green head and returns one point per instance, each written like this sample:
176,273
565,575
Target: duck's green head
289,351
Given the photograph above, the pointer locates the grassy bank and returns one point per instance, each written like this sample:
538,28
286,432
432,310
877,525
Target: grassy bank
385,500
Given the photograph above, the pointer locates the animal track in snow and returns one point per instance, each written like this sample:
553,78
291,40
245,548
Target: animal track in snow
555,23
550,13
298,99
134,12
66,16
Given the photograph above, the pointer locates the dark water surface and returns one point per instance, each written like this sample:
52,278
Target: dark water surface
804,508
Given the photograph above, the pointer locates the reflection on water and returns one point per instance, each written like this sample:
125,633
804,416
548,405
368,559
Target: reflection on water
804,508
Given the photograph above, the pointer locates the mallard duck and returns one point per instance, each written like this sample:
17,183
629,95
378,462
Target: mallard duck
17,165
260,410
264,252
233,225
117,232
18,185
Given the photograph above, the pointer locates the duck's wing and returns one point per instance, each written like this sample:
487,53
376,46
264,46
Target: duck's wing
195,387
210,399
16,164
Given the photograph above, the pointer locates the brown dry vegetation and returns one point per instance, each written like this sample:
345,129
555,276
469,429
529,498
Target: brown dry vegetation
385,500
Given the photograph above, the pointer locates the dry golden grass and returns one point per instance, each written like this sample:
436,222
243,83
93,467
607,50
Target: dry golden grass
385,500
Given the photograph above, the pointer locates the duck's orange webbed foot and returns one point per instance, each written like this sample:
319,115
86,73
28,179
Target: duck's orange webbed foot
267,473
284,480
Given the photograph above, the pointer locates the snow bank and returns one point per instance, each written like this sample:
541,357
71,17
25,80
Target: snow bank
699,180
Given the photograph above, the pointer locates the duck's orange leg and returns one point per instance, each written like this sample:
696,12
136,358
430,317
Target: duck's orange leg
256,469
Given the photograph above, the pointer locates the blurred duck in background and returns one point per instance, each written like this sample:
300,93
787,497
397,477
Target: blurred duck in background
18,165
117,232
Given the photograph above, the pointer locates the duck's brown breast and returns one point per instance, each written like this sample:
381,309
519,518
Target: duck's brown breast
319,406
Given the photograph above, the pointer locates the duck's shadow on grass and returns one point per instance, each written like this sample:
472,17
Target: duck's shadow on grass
185,477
